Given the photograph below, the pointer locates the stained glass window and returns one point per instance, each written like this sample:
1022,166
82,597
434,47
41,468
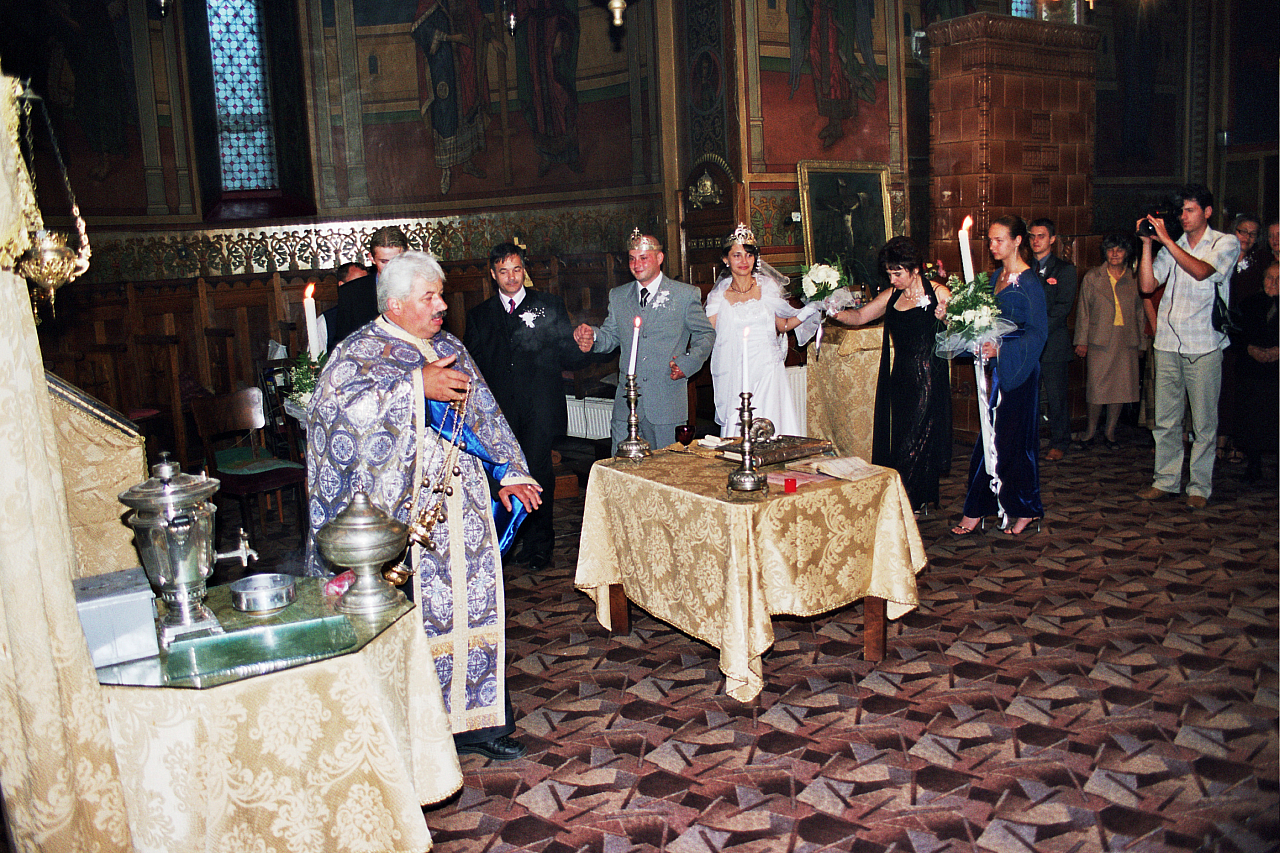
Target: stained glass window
246,137
1023,9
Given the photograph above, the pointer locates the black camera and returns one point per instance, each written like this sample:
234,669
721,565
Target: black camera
1172,223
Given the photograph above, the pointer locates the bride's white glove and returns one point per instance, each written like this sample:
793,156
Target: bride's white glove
808,312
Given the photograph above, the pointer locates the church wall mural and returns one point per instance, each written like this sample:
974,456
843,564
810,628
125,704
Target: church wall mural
827,78
437,102
424,112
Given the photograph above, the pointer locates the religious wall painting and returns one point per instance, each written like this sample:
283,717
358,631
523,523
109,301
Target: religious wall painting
475,111
453,39
823,92
836,39
546,38
707,108
772,215
78,56
846,215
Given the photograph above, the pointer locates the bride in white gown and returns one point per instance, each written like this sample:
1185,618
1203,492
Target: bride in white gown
751,295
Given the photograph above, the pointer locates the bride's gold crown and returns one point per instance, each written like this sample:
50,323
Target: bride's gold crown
642,242
742,234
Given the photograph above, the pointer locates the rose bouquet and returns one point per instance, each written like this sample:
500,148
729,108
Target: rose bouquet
972,318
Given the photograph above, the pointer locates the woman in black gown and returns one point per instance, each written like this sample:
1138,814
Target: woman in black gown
913,399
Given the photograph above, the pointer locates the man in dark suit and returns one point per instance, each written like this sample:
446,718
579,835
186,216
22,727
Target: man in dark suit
522,341
358,298
1059,279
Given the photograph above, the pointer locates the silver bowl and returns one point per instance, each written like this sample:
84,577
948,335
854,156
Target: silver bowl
263,593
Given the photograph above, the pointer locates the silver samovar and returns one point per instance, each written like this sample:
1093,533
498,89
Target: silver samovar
172,523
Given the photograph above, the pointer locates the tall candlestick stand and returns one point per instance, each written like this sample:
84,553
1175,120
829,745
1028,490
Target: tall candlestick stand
746,478
633,446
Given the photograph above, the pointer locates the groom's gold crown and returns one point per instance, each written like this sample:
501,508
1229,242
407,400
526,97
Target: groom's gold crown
642,242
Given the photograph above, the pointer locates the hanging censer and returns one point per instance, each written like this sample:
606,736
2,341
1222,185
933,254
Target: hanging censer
50,262
429,504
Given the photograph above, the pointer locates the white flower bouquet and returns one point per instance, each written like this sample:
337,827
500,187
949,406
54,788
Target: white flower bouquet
826,287
973,317
302,378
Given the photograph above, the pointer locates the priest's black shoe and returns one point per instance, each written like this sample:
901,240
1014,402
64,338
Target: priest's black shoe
502,748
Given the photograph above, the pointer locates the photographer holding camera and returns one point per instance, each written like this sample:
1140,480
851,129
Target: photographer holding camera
1188,350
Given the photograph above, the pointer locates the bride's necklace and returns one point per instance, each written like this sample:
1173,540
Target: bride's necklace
739,290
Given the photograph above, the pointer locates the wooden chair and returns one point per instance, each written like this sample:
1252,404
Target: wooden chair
230,428
282,431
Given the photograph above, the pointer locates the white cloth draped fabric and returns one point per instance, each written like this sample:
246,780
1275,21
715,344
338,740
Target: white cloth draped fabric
62,787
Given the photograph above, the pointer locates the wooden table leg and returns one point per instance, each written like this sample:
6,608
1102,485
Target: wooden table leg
873,629
620,611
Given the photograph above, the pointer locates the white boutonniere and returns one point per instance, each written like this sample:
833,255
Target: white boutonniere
530,316
660,298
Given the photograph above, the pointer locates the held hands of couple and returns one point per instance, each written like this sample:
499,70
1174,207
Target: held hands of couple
585,337
442,384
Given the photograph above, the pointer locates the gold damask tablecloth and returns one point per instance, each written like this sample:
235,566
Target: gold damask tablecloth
720,568
340,754
841,386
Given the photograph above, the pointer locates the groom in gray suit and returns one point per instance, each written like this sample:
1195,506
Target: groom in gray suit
675,340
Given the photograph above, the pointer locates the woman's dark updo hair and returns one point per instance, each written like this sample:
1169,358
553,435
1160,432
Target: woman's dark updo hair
1111,241
1018,228
900,252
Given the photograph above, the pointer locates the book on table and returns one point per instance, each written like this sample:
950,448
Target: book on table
780,448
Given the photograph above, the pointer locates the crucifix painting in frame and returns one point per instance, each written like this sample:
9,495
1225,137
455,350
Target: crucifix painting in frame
846,216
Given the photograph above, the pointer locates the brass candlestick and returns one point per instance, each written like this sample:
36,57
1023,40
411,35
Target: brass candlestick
746,478
633,446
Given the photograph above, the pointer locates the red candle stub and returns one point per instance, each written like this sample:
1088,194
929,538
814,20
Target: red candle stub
789,485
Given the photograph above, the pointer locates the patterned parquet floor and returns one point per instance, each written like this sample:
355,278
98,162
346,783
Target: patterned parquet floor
1109,683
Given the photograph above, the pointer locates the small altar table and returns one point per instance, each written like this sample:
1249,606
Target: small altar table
336,754
666,532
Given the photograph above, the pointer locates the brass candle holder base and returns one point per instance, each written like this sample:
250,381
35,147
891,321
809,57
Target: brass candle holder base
633,446
746,478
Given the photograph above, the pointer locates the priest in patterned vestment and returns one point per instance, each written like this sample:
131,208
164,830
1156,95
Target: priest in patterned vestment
380,422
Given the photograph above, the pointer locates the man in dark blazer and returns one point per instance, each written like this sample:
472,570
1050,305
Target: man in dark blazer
522,341
358,298
675,339
1059,279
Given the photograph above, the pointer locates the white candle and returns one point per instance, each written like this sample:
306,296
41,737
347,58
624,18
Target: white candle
313,334
746,380
635,344
966,258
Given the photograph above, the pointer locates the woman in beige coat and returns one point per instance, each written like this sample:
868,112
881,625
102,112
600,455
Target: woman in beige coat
1108,335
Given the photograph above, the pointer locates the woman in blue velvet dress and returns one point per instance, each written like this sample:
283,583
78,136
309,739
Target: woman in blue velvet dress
1015,390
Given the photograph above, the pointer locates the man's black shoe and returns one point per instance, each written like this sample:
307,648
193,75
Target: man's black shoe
502,748
538,562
